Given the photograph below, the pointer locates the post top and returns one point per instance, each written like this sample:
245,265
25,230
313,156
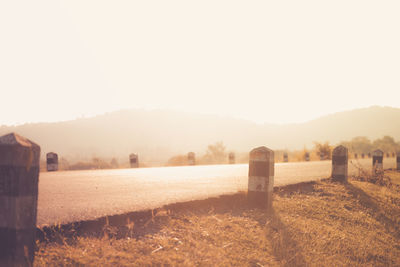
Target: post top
262,154
340,150
51,153
378,152
16,150
13,139
132,155
261,149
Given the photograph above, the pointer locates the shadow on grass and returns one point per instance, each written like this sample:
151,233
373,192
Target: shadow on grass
285,248
133,224
140,223
374,209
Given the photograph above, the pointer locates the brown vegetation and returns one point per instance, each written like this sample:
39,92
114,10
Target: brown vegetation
215,154
317,223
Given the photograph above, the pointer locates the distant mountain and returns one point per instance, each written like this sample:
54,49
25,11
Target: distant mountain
373,122
160,134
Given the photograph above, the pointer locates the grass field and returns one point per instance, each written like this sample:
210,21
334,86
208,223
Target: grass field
311,224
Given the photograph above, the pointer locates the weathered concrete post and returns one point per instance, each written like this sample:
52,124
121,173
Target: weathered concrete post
307,156
398,161
362,155
321,156
340,164
191,158
261,177
231,158
19,177
134,160
52,161
377,161
355,156
369,155
285,157
393,154
387,154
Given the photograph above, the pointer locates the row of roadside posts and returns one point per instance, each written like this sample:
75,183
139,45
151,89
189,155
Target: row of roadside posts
52,159
261,172
19,177
324,157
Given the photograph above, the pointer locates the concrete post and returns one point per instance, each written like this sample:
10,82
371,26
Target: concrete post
285,157
377,161
321,156
231,158
387,154
369,155
362,155
340,164
191,158
307,156
134,160
355,155
261,177
52,161
398,161
19,177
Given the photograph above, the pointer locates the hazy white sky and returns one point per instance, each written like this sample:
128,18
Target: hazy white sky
267,61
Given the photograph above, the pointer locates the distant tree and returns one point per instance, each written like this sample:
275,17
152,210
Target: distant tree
216,153
362,144
359,144
323,149
386,144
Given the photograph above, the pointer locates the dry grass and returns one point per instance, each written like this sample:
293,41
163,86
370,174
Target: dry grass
313,224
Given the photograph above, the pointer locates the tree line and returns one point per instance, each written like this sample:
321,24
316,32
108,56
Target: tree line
217,153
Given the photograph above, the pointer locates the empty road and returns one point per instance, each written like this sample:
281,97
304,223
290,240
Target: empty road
69,196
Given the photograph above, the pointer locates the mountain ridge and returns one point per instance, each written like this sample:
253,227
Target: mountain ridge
160,134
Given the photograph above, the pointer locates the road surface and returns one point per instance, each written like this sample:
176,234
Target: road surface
68,196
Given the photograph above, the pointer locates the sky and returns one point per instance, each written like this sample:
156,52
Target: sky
264,61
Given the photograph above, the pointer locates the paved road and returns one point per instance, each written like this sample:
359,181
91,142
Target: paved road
81,195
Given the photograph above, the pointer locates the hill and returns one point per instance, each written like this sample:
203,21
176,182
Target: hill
159,134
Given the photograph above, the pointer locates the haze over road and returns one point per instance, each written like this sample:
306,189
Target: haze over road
69,196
